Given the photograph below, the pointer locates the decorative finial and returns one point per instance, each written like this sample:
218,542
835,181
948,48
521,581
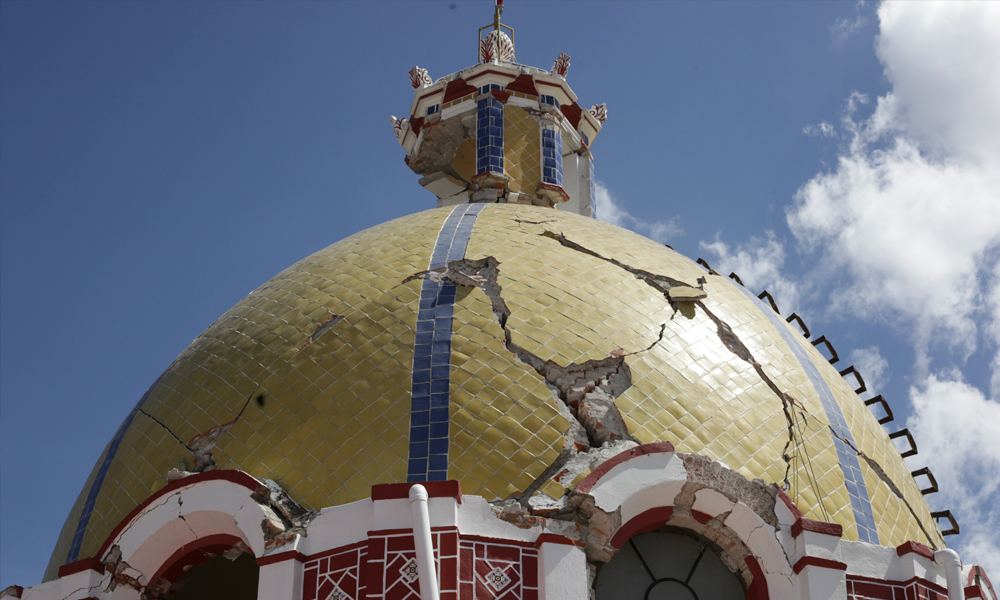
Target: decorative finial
600,112
419,77
561,66
497,45
397,125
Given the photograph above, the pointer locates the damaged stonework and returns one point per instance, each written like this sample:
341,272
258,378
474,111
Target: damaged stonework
283,517
202,444
579,518
587,390
677,292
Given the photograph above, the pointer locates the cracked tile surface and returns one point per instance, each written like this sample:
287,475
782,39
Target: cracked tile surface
338,411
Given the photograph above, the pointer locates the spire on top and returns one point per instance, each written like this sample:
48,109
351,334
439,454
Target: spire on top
497,46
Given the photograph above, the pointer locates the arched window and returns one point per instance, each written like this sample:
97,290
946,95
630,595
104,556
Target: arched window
666,565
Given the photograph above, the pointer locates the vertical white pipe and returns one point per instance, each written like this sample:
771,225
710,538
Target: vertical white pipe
426,572
952,564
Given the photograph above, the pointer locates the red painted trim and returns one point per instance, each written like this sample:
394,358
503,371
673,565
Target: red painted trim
230,475
590,480
914,548
977,569
401,491
500,95
489,540
790,504
78,566
561,85
573,112
270,559
758,587
416,123
332,551
919,580
456,89
641,523
974,591
815,561
391,532
817,527
428,95
555,538
220,539
19,589
524,84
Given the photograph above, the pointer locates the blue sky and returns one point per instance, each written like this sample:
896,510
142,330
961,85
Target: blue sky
158,161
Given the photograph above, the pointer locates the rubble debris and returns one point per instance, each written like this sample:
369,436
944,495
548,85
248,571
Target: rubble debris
201,445
283,517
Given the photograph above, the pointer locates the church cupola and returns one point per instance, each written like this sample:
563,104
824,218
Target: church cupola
500,131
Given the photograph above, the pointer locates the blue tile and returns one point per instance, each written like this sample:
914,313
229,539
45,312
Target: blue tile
437,475
440,415
440,401
441,360
417,465
420,417
419,449
420,403
439,429
444,372
440,386
420,433
421,389
439,446
437,462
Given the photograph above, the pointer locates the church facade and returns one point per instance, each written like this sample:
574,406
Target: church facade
504,398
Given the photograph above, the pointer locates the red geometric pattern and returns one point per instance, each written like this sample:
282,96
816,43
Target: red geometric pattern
873,589
493,570
389,565
335,576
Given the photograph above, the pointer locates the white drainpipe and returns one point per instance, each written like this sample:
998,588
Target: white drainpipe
426,572
952,564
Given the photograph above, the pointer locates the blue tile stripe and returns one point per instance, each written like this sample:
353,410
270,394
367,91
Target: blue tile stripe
849,465
102,471
552,168
489,132
430,404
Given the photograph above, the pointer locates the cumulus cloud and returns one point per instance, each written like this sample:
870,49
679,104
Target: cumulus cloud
912,209
956,428
611,211
759,264
909,218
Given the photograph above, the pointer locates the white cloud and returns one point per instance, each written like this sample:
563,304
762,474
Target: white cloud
610,211
873,368
759,264
956,429
824,129
911,213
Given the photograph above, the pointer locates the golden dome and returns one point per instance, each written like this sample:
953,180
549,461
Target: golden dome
331,340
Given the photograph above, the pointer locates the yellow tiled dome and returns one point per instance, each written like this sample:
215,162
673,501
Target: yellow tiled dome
332,339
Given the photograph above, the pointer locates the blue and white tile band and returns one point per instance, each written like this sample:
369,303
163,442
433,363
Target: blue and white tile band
552,168
489,132
102,472
430,405
849,465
